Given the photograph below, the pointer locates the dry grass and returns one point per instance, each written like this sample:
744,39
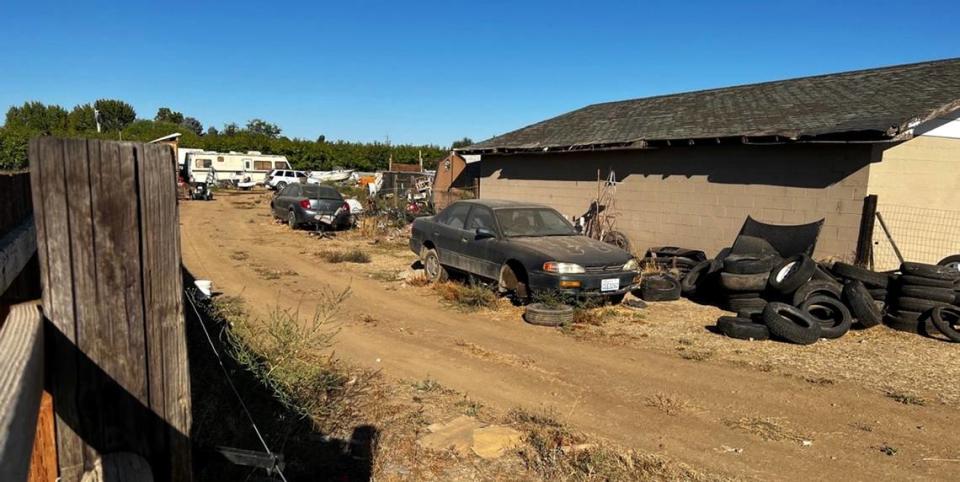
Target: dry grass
239,256
467,297
418,279
352,256
272,274
670,405
767,428
904,397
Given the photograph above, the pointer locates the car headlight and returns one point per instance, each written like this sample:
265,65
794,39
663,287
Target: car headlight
562,268
632,265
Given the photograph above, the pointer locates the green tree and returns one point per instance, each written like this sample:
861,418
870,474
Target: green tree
212,131
193,125
13,148
262,127
164,114
466,141
82,119
115,115
231,129
37,117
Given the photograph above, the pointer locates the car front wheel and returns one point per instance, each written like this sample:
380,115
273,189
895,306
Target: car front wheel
431,265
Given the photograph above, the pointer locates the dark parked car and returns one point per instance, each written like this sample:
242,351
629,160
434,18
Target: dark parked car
526,248
311,205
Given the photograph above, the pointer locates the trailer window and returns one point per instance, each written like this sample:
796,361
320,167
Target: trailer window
262,165
219,158
203,163
246,164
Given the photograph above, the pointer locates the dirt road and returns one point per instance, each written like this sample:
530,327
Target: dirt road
731,419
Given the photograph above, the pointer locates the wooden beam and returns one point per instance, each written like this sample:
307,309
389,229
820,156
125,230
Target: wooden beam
21,383
43,463
865,238
16,249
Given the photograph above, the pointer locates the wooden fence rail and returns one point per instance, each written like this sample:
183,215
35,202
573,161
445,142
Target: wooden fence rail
21,383
109,253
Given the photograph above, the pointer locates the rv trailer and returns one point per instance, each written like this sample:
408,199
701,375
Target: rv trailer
233,167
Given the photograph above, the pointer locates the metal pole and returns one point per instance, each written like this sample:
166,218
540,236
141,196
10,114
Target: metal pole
886,231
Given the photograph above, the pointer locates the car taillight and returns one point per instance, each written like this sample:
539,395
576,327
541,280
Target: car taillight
305,204
346,208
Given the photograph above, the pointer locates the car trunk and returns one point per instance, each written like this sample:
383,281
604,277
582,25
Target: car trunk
326,205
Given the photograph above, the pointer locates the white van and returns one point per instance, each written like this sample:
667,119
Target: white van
233,167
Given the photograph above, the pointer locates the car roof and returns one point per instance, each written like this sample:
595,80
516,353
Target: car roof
503,203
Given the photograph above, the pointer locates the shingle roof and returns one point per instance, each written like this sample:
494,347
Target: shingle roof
875,104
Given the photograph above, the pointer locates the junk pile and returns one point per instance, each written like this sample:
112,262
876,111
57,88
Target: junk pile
778,291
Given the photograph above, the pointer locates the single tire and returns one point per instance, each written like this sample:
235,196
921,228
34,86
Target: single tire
816,287
915,323
867,277
916,304
947,320
744,282
755,316
618,239
543,315
281,185
430,260
910,280
742,328
861,304
292,220
755,304
823,273
690,282
791,323
944,295
834,317
792,273
932,271
659,287
750,263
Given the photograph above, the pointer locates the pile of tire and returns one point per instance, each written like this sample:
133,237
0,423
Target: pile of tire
744,279
921,293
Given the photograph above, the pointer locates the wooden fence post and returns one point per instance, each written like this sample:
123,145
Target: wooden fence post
108,242
864,254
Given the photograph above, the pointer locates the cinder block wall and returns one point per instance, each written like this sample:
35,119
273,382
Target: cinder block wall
698,197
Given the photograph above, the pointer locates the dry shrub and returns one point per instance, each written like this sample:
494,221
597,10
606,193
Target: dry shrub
352,256
669,405
418,279
467,297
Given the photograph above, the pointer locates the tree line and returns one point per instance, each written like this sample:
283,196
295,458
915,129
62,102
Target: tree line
118,120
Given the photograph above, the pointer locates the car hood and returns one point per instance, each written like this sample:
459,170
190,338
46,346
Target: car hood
574,249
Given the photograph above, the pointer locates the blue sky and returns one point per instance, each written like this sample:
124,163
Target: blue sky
432,71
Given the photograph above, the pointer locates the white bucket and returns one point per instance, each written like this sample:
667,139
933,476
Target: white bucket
205,286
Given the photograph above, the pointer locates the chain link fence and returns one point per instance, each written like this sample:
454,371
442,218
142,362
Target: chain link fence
920,234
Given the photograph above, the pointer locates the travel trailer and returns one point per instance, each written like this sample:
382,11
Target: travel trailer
233,167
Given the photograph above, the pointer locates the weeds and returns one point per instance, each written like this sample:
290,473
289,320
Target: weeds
427,385
388,275
352,256
667,404
467,297
239,256
905,398
888,450
418,279
470,408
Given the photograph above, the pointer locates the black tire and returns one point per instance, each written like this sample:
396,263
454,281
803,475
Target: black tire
910,280
878,294
430,260
690,282
823,273
659,287
916,304
791,324
292,220
867,277
947,320
910,322
544,315
618,239
952,262
754,304
750,263
742,328
792,273
944,295
816,287
834,317
932,271
744,282
861,304
281,185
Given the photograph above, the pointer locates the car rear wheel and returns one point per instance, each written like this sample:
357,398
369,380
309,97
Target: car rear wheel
281,185
431,265
292,220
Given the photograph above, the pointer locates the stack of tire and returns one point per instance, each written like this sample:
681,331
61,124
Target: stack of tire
806,305
743,279
921,293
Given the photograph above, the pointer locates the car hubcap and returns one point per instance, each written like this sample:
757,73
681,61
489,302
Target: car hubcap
432,266
292,219
955,266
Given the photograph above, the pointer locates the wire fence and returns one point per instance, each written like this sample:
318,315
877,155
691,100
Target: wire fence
920,234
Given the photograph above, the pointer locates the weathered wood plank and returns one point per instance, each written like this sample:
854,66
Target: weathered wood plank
50,205
43,462
16,248
21,384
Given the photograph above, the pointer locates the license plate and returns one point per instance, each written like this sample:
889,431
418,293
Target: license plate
612,284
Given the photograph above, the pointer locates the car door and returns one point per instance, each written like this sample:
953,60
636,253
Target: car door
481,252
451,237
285,199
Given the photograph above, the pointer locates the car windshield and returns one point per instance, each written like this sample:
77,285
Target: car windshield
533,222
314,191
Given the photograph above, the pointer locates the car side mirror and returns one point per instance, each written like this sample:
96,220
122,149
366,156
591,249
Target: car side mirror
483,233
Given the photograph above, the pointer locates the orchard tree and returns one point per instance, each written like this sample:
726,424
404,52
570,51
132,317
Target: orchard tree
231,129
82,119
192,124
37,117
262,127
466,141
115,114
212,131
